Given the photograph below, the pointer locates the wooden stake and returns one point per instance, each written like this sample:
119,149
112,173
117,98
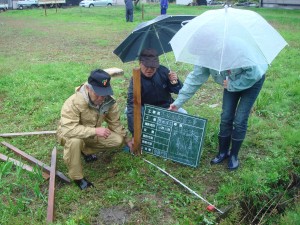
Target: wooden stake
50,210
137,126
27,133
22,165
31,159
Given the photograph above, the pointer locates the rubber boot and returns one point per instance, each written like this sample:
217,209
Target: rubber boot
224,143
233,158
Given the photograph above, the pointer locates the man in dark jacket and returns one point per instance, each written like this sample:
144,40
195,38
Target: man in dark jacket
129,10
157,84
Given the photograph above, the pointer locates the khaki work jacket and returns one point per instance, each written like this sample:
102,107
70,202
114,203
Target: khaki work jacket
79,119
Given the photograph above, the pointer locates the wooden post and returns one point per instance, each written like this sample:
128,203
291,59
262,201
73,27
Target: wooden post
137,120
30,158
45,7
22,165
142,11
50,210
27,133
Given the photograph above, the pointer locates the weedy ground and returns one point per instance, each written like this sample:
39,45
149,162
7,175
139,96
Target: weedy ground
43,58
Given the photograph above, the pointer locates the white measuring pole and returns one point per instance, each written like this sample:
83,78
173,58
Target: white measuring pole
183,185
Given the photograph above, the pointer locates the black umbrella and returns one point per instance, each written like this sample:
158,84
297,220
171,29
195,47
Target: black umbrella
155,34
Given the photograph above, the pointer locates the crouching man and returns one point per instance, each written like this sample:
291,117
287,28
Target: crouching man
81,129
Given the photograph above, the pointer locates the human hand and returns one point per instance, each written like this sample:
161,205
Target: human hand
173,77
103,132
173,108
130,145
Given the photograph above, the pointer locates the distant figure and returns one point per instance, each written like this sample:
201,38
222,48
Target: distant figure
163,7
129,10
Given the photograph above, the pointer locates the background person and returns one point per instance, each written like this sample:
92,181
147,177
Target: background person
163,7
157,84
81,129
129,10
241,88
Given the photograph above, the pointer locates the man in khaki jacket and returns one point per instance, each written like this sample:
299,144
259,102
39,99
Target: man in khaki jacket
80,130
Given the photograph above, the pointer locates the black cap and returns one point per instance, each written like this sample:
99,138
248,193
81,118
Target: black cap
149,58
100,81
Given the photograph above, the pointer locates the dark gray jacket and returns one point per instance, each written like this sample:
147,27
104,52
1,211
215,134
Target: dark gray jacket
154,91
128,4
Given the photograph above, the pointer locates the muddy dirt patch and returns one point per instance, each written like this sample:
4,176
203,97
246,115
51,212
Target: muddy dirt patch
115,215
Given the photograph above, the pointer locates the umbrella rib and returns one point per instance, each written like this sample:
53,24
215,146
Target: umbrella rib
144,38
223,44
161,46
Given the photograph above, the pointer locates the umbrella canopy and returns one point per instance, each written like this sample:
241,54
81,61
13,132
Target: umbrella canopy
155,34
227,38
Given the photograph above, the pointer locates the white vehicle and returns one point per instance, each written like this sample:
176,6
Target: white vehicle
3,7
21,4
92,3
184,2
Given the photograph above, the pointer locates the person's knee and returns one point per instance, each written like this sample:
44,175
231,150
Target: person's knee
73,146
240,130
227,117
119,140
75,142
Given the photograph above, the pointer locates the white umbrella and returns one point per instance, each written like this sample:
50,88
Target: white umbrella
227,38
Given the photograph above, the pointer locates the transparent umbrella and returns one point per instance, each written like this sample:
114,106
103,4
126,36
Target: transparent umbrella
227,38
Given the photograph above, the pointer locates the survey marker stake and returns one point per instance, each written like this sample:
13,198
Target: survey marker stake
31,159
182,184
22,165
27,133
50,209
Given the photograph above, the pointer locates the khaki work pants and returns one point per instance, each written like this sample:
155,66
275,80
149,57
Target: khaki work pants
74,146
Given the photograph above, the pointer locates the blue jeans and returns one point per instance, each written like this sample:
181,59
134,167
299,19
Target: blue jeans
163,11
129,15
236,109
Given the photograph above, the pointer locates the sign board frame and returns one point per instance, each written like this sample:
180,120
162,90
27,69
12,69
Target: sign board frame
172,135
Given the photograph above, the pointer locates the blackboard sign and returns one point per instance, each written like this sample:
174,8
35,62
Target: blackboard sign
172,135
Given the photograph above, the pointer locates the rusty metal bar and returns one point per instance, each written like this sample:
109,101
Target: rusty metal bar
27,133
22,165
31,159
50,209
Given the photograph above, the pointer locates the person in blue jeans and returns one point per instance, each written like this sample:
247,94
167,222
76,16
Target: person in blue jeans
129,10
241,88
163,7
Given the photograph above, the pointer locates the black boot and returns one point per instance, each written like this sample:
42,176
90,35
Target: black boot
83,183
233,160
89,158
224,143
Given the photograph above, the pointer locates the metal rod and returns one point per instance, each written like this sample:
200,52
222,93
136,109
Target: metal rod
193,192
162,48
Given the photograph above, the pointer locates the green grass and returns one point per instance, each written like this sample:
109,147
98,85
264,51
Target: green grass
43,58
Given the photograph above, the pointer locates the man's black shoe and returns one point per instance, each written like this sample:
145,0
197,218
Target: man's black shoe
83,183
89,158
